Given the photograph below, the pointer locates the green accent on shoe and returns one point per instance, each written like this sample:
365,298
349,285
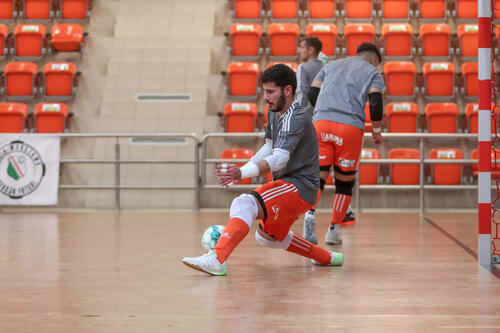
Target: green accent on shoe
336,258
223,270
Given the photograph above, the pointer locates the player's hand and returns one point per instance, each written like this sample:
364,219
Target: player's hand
229,174
377,138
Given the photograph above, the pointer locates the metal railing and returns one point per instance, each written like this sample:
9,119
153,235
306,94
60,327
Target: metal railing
117,162
200,164
421,187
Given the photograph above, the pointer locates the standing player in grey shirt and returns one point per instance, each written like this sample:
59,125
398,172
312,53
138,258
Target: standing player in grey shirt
309,48
291,153
339,93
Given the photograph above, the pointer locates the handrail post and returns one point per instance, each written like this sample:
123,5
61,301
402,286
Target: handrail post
196,173
421,191
117,175
203,164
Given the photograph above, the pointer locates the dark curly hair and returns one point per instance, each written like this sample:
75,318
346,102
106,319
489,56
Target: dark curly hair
281,75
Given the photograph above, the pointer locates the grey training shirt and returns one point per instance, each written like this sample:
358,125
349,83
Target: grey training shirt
344,91
305,76
295,133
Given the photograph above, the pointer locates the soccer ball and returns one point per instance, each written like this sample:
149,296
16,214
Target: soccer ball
211,236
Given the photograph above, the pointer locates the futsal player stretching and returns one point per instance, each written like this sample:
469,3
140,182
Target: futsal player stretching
291,153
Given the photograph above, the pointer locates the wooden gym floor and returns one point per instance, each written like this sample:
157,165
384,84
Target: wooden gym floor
105,272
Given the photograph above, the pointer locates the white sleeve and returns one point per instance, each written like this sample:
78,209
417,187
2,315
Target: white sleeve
264,151
278,159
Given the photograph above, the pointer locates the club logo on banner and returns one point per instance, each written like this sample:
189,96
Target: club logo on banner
29,170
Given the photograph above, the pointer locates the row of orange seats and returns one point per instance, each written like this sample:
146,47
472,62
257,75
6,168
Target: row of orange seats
401,79
72,10
399,174
57,81
399,118
47,118
409,174
438,79
396,39
31,41
354,9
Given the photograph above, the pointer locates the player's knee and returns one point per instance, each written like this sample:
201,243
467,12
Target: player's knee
244,207
284,244
344,187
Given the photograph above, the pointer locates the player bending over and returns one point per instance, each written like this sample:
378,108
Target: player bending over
291,153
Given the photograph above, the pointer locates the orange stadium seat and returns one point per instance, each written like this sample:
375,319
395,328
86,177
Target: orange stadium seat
431,9
67,37
266,116
466,9
441,117
471,114
439,79
327,34
291,64
247,9
496,9
242,78
435,40
321,9
397,40
401,117
358,9
283,39
446,174
245,39
74,10
59,80
38,9
240,117
283,9
356,34
495,163
400,78
467,40
368,173
51,117
395,9
8,10
368,118
29,42
404,174
13,117
20,79
470,86
4,41
238,153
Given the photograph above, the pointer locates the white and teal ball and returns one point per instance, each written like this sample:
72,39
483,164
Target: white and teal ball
211,236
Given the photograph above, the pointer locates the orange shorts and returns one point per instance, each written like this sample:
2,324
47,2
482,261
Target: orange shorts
283,206
339,144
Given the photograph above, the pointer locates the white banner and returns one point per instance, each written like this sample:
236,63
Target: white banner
29,169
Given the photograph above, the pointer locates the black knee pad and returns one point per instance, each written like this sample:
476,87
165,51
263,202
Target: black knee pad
343,187
322,183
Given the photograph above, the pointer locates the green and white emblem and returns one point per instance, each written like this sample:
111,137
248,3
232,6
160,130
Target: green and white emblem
21,169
